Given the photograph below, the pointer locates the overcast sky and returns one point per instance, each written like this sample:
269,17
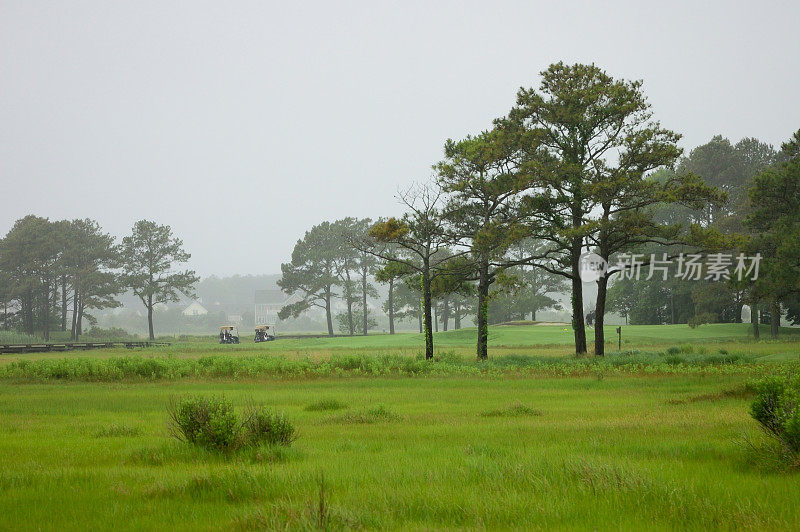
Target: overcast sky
242,124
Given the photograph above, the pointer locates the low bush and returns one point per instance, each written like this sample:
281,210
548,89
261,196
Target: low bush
325,404
112,333
261,426
777,409
207,422
211,423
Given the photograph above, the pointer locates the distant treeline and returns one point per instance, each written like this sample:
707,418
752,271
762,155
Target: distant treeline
54,274
578,165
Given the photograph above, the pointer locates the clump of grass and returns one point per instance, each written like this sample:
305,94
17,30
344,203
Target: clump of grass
370,415
12,337
325,404
117,431
740,392
260,426
777,409
599,477
272,454
673,350
514,410
211,423
448,357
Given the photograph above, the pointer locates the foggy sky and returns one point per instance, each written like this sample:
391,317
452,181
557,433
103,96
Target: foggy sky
242,124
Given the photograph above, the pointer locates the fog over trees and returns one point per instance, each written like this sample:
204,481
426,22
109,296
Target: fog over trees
496,233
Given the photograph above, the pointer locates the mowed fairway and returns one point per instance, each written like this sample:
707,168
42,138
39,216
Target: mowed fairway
522,449
549,340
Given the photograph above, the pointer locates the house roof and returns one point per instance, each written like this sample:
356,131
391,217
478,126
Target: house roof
271,297
195,305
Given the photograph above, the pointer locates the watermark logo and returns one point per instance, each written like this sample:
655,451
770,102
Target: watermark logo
687,267
591,267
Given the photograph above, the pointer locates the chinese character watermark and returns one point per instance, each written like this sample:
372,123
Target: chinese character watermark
689,267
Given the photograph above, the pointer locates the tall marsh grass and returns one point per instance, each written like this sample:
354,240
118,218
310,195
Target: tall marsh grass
138,368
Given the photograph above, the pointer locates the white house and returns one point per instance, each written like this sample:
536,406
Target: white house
195,309
268,303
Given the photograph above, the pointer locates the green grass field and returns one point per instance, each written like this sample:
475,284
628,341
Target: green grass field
652,438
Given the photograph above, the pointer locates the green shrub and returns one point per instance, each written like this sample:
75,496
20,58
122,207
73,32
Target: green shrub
673,350
112,333
674,360
211,423
777,408
262,426
207,422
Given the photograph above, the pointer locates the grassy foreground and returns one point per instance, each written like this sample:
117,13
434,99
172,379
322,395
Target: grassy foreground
644,439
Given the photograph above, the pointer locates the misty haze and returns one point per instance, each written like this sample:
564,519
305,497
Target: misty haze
436,265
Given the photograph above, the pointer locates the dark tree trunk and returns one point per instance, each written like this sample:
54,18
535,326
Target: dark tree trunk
457,316
671,310
426,298
391,306
63,303
419,318
435,318
73,334
578,325
754,319
483,311
774,318
54,305
533,315
445,312
152,336
351,328
27,311
328,317
79,329
599,317
364,323
45,317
